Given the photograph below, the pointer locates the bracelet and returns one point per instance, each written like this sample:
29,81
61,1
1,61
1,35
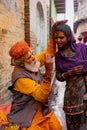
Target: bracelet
63,76
47,76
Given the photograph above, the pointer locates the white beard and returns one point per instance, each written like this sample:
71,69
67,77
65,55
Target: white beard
33,67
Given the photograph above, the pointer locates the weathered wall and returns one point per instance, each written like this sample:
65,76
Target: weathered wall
39,24
11,30
18,22
81,14
82,28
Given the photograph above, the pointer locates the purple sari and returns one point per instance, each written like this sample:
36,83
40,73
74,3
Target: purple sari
64,63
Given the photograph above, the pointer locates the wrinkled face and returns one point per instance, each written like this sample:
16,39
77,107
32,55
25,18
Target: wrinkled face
33,66
60,39
31,63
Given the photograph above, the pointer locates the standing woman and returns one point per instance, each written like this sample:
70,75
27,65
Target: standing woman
71,66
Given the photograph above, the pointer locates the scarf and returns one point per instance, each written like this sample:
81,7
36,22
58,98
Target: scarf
64,63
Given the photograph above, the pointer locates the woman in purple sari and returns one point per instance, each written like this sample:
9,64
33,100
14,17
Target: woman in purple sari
71,66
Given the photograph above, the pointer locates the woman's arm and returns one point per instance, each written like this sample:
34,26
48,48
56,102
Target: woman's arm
74,71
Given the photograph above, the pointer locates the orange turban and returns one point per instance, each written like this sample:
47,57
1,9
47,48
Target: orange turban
19,49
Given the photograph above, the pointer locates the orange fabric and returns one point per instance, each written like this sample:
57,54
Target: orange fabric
41,57
19,49
39,122
3,118
40,92
51,48
23,129
47,122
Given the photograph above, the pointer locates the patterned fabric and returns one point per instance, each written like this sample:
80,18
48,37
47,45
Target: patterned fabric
19,49
77,121
73,101
74,106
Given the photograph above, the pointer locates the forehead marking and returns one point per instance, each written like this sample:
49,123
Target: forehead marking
59,34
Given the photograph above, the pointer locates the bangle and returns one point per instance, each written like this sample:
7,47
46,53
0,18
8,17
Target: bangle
47,76
63,76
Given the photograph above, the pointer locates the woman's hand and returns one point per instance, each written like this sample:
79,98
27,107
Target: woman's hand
76,70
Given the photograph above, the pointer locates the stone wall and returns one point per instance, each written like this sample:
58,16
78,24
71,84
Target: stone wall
11,30
18,22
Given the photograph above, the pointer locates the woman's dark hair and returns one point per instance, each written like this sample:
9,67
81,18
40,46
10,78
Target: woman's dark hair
63,28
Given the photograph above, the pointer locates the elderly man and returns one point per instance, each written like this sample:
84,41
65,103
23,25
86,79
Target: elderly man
30,109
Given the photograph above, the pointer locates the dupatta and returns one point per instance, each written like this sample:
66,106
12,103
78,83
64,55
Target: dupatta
64,63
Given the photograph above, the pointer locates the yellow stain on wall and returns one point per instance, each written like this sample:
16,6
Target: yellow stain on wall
3,21
3,16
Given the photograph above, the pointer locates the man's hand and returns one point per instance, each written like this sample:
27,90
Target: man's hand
48,63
